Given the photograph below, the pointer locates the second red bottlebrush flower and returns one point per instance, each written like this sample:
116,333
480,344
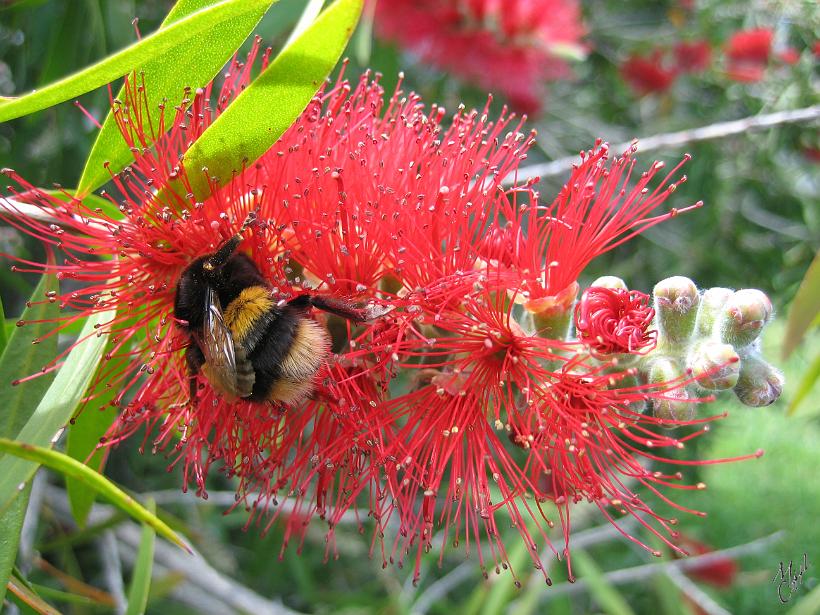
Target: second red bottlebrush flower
511,47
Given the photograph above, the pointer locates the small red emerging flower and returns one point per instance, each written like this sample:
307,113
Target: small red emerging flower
506,46
720,573
647,74
614,321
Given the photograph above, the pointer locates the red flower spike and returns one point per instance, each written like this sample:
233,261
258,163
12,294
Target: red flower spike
648,75
612,321
509,47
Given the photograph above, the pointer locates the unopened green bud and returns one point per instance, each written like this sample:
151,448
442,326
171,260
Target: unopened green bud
676,404
715,366
676,302
710,312
744,315
610,281
760,384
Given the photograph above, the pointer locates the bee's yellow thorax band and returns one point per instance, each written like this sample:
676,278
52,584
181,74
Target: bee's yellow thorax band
244,311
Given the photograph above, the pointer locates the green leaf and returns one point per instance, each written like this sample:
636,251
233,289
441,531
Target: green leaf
254,121
83,438
45,425
21,358
12,523
182,34
607,597
166,76
141,580
808,604
810,378
26,595
62,463
3,336
805,307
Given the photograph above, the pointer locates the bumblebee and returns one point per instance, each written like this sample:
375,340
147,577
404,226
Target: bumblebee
257,348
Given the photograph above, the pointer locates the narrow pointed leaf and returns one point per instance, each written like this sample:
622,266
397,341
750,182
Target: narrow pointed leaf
183,33
810,377
166,76
269,105
12,523
27,596
45,425
63,464
22,357
3,336
141,579
608,598
805,308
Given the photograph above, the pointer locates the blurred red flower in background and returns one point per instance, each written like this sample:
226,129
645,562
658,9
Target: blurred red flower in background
693,57
748,53
506,46
648,74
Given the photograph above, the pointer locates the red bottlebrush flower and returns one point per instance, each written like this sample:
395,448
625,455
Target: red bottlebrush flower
511,46
693,57
614,321
753,46
720,573
748,54
365,197
647,75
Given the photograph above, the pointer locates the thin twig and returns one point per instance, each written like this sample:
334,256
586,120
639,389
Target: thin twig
695,593
671,140
639,573
112,569
226,499
442,587
203,586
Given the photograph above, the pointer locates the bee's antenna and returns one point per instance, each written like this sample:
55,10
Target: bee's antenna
222,255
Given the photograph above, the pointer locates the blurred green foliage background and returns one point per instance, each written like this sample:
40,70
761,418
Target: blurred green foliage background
760,228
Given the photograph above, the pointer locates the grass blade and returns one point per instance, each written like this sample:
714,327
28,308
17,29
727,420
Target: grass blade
63,464
141,580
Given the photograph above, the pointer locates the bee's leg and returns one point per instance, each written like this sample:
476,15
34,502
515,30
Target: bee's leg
195,359
339,307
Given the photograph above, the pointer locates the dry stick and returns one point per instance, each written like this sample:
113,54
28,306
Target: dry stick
639,573
695,593
112,570
204,588
672,140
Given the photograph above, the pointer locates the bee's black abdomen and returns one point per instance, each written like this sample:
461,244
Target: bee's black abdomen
270,352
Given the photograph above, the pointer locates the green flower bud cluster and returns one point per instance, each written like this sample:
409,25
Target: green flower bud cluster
713,338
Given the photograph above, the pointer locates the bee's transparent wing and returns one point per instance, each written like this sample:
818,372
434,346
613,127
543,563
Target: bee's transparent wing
218,346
